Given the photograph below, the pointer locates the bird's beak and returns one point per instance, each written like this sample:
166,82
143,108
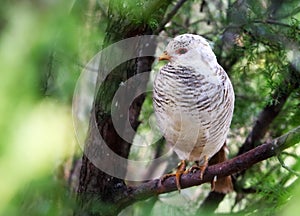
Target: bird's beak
164,56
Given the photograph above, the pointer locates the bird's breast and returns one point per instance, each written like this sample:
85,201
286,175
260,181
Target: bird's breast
187,89
193,108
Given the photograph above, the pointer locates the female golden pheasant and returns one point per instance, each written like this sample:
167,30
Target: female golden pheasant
193,102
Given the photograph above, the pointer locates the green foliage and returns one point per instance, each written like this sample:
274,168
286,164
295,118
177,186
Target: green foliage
140,12
153,23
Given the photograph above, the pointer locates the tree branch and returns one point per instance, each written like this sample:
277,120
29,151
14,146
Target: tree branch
274,22
269,113
229,167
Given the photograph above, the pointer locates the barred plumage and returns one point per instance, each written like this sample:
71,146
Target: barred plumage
193,99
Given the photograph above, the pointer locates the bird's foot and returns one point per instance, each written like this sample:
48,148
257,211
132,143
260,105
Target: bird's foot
180,170
202,167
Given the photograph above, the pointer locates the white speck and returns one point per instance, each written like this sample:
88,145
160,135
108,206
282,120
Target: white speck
226,151
215,178
122,84
116,104
147,44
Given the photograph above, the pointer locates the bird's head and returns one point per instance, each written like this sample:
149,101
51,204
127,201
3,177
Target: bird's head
189,50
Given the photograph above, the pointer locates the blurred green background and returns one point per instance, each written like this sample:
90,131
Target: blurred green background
38,71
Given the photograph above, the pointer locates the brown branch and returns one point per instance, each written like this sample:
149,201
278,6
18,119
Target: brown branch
169,16
237,164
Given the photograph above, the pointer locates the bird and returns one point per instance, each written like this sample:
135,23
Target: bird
193,101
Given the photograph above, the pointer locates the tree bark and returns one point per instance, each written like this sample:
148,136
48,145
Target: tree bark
98,191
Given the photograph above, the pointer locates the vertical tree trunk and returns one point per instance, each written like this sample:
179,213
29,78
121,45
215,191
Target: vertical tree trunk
98,191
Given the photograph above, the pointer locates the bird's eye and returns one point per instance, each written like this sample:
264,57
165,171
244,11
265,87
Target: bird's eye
181,51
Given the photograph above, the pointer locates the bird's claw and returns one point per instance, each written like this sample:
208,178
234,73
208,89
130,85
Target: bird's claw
201,168
180,170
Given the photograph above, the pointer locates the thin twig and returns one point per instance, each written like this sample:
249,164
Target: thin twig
169,16
283,165
274,22
289,14
199,21
102,9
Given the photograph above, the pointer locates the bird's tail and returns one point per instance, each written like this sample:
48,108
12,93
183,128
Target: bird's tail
221,185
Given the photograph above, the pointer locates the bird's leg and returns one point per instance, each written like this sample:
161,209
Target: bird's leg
180,170
202,167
